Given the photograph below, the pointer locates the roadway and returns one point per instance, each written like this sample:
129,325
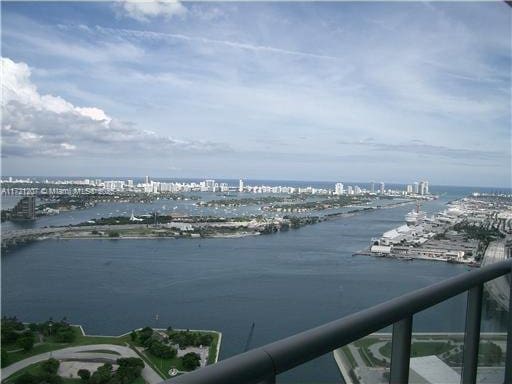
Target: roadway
498,288
84,352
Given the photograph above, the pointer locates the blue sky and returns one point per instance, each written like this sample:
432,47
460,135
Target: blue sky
304,91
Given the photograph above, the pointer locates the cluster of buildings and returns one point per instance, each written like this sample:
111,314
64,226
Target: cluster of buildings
147,185
435,238
417,189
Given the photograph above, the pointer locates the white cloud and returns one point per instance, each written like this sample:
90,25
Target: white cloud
143,10
17,87
47,125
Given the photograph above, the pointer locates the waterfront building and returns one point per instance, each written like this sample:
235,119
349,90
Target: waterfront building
382,187
25,209
409,188
426,187
338,189
240,185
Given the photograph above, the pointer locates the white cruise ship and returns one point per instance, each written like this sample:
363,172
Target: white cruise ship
415,217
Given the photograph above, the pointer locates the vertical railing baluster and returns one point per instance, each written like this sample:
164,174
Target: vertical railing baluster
401,351
508,358
472,334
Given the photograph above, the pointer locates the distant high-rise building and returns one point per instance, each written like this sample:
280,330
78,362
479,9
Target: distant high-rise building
338,189
146,180
350,191
357,190
426,188
240,185
416,187
129,183
382,187
210,185
25,209
372,187
409,188
422,187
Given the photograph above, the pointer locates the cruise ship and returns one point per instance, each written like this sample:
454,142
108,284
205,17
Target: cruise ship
415,217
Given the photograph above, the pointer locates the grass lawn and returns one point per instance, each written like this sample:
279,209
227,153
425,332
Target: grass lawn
350,357
213,348
50,344
421,348
35,369
163,366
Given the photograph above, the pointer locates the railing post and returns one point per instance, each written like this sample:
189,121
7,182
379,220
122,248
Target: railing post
472,334
401,351
508,358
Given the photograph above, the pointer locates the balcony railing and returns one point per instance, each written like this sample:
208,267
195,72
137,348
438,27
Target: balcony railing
263,364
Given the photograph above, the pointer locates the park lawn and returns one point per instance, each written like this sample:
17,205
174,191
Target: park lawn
213,347
365,342
41,348
421,348
35,369
162,366
50,344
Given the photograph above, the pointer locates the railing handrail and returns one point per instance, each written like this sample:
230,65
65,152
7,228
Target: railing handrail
277,357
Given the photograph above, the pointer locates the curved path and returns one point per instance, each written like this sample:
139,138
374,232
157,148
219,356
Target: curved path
148,373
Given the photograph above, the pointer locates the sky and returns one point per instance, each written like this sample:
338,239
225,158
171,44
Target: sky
341,91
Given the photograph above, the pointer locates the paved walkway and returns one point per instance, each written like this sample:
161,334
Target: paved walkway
149,375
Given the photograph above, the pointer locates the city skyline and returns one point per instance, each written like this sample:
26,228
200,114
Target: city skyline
186,90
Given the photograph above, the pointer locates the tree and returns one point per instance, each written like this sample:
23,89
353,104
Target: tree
84,374
161,350
26,341
50,366
144,334
102,375
133,335
191,361
129,370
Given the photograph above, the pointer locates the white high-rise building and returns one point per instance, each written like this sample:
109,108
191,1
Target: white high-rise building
210,185
357,190
240,185
338,189
422,187
146,180
409,188
350,191
426,187
416,187
382,187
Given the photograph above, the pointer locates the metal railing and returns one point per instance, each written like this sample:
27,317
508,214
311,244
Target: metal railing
261,365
